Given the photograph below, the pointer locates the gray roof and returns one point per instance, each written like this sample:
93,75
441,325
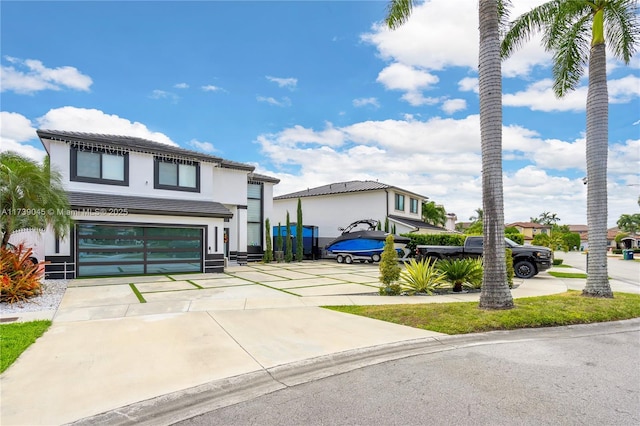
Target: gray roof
145,205
343,188
263,178
417,223
138,145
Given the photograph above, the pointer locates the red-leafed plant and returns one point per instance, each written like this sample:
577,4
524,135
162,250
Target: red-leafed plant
20,277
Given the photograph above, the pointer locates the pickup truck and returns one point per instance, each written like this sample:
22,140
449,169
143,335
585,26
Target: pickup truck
527,260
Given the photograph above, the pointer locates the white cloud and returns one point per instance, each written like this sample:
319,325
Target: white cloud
162,94
211,88
454,105
399,76
283,102
15,130
96,121
289,82
469,84
360,102
418,99
181,86
30,76
202,146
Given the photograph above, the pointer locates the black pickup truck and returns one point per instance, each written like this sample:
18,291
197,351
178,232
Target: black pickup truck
527,260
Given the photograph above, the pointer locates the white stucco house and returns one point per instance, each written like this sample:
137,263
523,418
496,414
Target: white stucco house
337,205
142,207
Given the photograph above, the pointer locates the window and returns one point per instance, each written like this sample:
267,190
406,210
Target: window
414,205
99,166
254,215
399,202
177,175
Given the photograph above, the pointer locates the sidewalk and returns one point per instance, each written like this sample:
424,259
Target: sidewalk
106,350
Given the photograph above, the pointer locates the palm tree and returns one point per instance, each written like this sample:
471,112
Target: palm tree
629,223
495,289
31,196
566,25
434,214
478,216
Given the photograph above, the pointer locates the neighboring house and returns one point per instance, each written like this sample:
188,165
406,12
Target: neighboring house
530,229
583,231
337,205
142,207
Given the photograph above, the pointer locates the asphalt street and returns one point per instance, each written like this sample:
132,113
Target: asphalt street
580,375
625,271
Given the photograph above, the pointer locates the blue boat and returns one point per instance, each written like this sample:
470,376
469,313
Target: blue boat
364,242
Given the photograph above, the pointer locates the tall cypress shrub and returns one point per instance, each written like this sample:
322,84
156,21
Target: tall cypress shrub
268,254
288,253
299,228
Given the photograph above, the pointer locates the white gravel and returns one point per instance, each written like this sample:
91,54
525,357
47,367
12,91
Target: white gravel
52,292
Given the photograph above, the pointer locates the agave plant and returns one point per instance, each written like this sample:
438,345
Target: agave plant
459,272
421,277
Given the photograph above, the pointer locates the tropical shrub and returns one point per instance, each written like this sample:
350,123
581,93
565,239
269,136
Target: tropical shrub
19,277
516,237
557,261
510,271
389,268
434,240
421,277
462,272
390,290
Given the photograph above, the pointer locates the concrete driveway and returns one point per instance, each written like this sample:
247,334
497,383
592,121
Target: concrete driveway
119,341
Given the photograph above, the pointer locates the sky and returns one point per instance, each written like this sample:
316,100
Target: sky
314,93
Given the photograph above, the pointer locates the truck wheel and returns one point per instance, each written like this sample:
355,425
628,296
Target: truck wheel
348,259
340,258
375,258
524,269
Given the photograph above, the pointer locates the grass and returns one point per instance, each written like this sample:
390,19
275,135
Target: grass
16,338
139,295
567,274
465,317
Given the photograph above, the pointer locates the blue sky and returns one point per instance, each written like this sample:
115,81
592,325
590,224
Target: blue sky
314,93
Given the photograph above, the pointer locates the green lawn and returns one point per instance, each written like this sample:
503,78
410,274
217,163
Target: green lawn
465,317
16,338
567,274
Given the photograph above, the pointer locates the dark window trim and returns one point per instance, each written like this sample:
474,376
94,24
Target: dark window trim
156,175
413,202
74,168
399,197
261,226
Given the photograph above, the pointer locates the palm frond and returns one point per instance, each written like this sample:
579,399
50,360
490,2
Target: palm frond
622,28
398,13
527,24
570,55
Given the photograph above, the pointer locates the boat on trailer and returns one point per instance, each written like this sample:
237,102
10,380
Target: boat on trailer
362,241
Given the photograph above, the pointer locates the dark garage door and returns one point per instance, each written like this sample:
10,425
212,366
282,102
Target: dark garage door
134,249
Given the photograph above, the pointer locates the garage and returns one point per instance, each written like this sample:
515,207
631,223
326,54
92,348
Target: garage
118,249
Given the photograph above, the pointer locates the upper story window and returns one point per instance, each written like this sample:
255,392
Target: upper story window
99,166
413,206
400,202
176,175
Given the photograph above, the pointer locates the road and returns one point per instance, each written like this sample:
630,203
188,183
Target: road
583,375
624,274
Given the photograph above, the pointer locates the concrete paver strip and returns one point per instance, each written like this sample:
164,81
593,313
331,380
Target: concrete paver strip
164,286
102,365
307,282
91,313
256,276
224,281
90,282
329,290
234,292
168,307
279,336
82,297
357,278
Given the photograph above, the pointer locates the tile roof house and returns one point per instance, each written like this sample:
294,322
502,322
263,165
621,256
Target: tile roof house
530,229
141,206
336,205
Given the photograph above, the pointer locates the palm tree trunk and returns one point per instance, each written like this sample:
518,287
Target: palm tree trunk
597,148
495,290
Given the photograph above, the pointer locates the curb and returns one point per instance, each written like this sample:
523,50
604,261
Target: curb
182,405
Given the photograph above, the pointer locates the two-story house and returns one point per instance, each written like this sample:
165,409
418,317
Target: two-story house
337,205
142,207
530,229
